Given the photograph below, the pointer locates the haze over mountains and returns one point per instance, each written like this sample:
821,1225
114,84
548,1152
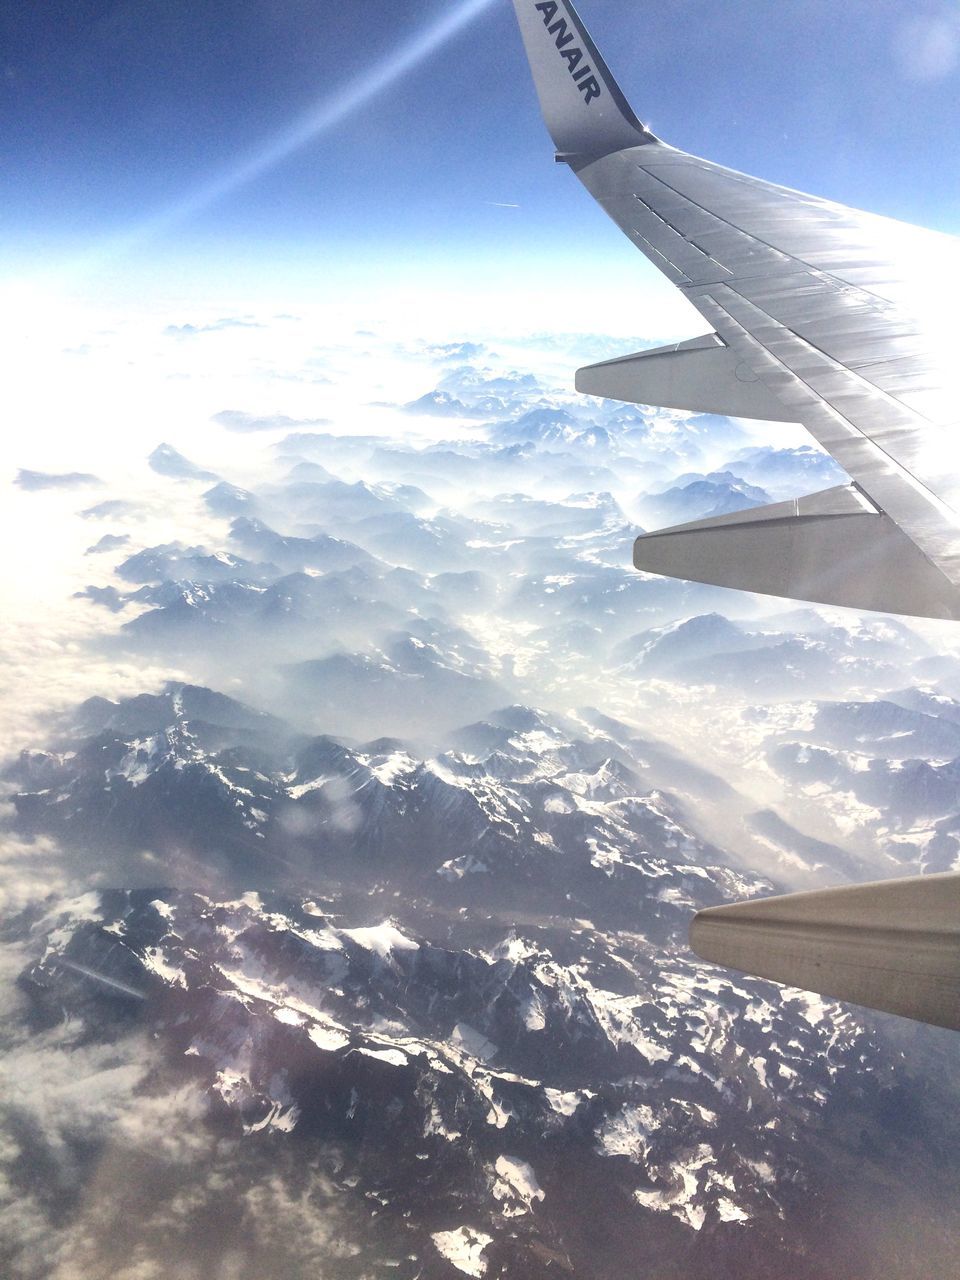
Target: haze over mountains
352,940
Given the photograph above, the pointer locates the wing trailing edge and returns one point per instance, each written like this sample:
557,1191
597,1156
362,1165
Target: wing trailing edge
834,547
893,945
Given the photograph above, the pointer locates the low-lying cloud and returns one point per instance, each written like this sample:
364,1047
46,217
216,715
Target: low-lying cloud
34,481
239,420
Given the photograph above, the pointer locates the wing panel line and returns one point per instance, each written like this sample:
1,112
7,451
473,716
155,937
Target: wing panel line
925,517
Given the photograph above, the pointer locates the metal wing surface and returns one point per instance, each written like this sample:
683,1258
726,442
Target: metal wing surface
842,320
893,945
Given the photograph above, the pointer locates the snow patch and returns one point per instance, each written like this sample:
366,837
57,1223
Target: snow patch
305,788
383,939
328,1038
393,1056
730,1212
464,1249
565,1104
473,1042
516,1179
388,769
156,962
683,1183
628,1132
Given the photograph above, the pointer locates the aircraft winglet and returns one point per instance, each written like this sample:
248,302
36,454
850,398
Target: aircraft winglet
583,106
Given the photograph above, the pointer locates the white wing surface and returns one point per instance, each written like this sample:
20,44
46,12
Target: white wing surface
820,314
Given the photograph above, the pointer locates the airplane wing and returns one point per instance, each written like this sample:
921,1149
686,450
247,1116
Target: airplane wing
845,322
820,314
893,945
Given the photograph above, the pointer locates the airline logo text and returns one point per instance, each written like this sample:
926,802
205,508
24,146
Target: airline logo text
586,81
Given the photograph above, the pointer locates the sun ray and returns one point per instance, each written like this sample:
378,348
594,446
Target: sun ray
326,113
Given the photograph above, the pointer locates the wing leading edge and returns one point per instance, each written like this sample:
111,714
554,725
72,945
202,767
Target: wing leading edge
821,315
829,317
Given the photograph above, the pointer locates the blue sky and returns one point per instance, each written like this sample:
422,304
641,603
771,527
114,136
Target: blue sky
116,115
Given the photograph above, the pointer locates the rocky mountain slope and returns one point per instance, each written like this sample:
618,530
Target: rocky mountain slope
353,943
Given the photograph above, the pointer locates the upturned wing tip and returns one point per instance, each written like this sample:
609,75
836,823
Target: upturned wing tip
583,107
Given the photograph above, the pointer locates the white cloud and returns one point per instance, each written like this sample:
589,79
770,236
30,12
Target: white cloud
30,870
70,1097
67,1091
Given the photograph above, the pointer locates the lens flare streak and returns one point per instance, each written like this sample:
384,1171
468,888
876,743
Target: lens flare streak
323,116
102,977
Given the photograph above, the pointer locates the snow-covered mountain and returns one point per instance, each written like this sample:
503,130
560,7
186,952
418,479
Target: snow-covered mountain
347,924
466,992
167,461
509,799
486,1087
695,497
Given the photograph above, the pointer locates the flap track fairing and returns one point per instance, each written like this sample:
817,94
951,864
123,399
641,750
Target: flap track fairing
702,375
